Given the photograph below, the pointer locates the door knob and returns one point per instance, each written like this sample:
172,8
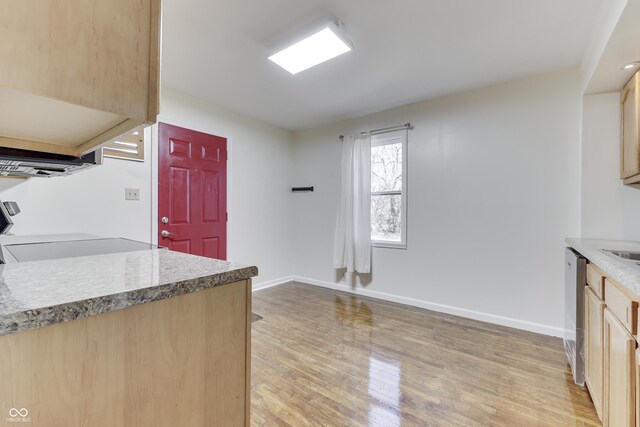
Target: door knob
164,220
165,233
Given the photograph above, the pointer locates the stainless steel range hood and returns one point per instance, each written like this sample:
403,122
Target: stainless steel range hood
25,163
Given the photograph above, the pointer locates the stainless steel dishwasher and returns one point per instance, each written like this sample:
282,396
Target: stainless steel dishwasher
575,279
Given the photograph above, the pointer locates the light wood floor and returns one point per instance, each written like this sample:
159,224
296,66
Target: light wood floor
327,358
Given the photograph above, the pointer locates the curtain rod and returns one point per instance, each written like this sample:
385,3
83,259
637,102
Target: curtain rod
382,130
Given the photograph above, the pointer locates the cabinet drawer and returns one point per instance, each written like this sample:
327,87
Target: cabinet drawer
595,279
621,305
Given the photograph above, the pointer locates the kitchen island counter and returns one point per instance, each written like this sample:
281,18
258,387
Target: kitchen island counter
141,338
41,293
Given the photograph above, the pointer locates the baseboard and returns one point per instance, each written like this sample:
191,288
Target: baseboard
271,283
441,308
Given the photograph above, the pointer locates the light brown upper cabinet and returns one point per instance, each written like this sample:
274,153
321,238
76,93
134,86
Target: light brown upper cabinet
77,74
629,153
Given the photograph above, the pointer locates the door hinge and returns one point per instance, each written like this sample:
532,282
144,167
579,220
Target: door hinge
227,217
226,155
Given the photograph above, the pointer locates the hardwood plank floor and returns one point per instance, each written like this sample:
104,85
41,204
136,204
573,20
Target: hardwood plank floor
327,358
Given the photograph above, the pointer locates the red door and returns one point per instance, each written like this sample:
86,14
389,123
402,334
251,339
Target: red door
192,192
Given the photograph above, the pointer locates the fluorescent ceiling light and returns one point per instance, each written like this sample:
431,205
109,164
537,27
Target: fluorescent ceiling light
315,49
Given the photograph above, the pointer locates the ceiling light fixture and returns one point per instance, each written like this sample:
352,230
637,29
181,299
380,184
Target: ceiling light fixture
315,49
630,65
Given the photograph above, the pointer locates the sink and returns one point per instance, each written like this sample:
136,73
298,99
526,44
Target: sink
625,254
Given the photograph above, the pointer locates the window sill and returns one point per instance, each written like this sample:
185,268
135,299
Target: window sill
388,245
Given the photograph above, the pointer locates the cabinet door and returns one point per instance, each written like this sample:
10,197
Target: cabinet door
619,373
630,162
77,74
593,346
637,388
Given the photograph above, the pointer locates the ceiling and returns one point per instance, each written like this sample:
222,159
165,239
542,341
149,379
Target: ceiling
405,51
623,47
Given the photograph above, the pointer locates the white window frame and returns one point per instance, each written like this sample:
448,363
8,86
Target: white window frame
386,139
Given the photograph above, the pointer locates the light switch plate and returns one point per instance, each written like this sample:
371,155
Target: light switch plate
132,194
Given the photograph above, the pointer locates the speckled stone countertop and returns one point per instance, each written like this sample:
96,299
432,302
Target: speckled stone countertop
41,293
625,271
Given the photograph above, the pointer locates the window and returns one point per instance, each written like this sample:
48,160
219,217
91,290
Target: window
389,190
127,147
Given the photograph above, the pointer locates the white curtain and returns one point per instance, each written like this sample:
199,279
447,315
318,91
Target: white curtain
352,243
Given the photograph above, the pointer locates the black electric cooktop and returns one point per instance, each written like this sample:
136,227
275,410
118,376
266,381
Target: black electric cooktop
25,252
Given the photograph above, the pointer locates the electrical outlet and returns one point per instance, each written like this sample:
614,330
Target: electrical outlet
132,194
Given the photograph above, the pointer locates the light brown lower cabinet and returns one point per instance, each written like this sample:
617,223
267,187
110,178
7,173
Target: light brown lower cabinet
619,398
181,361
594,347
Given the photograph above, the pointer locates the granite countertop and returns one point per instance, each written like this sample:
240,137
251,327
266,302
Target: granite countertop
625,271
41,293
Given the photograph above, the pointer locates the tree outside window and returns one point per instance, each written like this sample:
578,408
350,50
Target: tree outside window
387,188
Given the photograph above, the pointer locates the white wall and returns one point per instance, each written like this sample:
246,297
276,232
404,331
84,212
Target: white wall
259,196
260,176
609,208
604,25
494,188
90,201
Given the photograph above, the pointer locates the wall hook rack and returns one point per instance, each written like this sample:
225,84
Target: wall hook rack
301,189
